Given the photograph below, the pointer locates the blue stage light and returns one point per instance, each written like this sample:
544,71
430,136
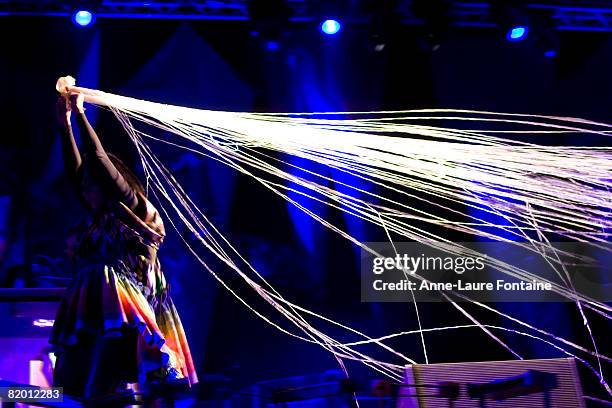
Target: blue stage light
331,27
272,45
83,18
517,33
550,53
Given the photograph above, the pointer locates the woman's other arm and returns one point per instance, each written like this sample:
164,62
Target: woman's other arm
70,151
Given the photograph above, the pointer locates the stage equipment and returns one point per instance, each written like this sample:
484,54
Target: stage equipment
546,383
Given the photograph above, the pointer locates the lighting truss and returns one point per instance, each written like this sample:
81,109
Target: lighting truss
577,15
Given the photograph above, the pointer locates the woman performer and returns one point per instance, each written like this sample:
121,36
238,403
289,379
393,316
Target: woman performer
116,323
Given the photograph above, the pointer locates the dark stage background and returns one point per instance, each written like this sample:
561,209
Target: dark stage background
220,65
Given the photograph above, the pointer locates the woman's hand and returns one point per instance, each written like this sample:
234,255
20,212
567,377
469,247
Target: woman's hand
63,109
76,100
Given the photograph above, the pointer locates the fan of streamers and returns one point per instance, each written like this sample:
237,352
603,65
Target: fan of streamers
410,176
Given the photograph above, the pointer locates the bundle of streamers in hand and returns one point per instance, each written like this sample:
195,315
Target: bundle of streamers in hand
410,176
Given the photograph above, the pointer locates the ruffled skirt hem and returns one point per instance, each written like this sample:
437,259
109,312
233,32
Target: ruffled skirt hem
102,301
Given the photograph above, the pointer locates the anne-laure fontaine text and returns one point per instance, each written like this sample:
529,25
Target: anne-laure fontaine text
461,286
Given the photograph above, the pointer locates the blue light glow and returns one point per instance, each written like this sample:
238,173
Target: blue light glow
83,18
331,27
517,33
550,53
272,45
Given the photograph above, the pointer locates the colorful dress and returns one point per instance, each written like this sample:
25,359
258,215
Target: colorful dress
118,307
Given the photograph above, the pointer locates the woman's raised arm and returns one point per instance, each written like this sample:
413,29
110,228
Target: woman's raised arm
111,179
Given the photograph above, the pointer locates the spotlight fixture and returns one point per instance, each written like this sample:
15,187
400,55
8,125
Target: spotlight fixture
435,15
269,21
513,20
550,53
385,22
272,45
547,36
517,33
331,27
83,18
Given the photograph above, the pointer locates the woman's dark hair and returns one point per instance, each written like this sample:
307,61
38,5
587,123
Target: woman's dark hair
129,176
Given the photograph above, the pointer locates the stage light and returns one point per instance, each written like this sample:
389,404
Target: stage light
514,20
436,18
550,53
517,33
43,323
269,21
548,38
331,27
83,18
385,23
272,45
